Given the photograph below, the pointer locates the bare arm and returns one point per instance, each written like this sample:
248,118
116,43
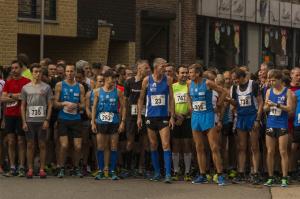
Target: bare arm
289,105
260,104
6,99
57,103
266,105
189,100
122,104
87,104
171,98
222,92
49,110
23,111
82,98
142,97
96,98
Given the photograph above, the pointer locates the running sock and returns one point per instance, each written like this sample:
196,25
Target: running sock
187,162
100,158
167,160
113,160
175,158
155,162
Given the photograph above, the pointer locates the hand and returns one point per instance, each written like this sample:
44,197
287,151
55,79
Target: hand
171,123
45,125
25,127
179,120
121,127
94,127
270,103
219,126
256,125
139,123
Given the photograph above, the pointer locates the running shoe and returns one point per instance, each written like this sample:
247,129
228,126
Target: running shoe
255,179
232,174
168,179
29,174
155,178
95,173
201,179
100,176
78,173
284,182
240,178
61,173
11,173
187,177
114,175
216,178
208,177
21,172
269,182
221,180
175,177
42,174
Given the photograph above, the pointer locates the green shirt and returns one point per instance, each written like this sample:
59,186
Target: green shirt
180,97
27,74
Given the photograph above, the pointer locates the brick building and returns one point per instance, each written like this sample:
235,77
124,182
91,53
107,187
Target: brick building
99,30
73,30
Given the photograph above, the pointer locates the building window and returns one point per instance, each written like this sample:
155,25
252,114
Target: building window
277,46
32,9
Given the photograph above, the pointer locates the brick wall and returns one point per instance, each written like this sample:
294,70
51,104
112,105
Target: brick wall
8,30
70,49
121,53
189,39
66,21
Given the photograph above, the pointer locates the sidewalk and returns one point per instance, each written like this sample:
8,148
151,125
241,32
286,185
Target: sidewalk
291,192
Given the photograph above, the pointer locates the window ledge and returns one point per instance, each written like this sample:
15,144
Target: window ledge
37,20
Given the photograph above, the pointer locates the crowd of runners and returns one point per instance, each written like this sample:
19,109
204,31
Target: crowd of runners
154,120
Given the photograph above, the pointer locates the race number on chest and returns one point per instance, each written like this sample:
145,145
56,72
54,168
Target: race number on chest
180,98
158,100
199,106
36,111
106,116
245,100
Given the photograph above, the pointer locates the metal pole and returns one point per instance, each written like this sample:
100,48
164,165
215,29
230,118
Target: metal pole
179,30
42,29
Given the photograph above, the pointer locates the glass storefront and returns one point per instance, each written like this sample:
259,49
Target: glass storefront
226,43
277,46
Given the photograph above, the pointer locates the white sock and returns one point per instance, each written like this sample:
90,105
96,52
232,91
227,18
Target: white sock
187,162
175,158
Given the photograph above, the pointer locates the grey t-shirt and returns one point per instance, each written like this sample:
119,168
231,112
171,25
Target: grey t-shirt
37,98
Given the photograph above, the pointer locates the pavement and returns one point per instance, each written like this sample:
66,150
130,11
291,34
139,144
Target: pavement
88,188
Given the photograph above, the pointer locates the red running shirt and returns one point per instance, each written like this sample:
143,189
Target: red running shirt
14,86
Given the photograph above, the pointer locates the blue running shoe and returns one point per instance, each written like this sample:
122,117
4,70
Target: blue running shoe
221,180
155,178
200,180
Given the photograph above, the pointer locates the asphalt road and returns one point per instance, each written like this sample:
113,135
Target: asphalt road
88,188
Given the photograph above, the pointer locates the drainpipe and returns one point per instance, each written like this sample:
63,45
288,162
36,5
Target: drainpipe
42,29
179,30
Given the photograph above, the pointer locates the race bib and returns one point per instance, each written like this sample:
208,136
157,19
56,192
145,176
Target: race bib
36,111
73,112
158,100
12,104
134,110
180,98
106,116
298,119
245,100
274,111
199,106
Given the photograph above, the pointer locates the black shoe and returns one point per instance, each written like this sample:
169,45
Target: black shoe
255,179
240,178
